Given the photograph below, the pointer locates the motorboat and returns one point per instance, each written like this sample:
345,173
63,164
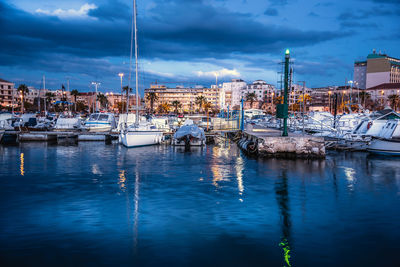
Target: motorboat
388,140
142,134
100,122
68,124
189,134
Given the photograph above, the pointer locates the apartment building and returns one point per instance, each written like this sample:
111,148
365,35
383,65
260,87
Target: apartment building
377,69
7,93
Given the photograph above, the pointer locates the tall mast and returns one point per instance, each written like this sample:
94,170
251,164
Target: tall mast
136,62
44,89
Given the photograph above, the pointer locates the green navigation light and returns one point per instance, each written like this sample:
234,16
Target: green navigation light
287,52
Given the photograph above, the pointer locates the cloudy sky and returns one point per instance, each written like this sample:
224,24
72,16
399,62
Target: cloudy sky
189,40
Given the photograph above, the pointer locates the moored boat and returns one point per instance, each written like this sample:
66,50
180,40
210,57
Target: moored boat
388,140
189,135
142,134
100,122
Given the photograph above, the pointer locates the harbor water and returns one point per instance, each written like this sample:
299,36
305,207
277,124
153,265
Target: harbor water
94,204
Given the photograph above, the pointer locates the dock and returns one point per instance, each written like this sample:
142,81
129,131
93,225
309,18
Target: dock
267,142
48,136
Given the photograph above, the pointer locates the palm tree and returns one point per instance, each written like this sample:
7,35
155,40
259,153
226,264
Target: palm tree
176,104
278,100
23,89
127,90
103,100
251,97
200,100
394,101
49,97
307,99
163,108
364,96
152,97
207,106
75,93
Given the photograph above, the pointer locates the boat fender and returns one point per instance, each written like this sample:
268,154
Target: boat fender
252,147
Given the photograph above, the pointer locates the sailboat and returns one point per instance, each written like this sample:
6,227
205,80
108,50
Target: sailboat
143,133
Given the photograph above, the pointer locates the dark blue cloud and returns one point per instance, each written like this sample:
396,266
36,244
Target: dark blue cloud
178,30
271,12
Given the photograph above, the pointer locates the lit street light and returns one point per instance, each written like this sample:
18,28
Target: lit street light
121,75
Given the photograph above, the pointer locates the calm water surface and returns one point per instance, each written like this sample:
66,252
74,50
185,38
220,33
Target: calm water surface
95,204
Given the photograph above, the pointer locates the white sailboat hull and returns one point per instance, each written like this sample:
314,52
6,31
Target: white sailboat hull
140,138
384,147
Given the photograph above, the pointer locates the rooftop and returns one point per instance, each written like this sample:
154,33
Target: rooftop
4,81
386,86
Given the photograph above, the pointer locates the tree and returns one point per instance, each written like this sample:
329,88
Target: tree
103,100
394,101
49,97
307,99
251,97
23,89
278,100
152,97
121,106
75,93
207,106
163,108
176,104
200,100
364,96
80,106
127,90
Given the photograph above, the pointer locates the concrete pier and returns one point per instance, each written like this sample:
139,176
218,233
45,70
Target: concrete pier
56,135
270,143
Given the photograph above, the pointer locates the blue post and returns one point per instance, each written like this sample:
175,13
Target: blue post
241,116
228,112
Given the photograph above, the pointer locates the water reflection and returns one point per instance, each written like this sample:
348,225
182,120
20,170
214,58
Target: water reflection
149,208
350,177
282,197
122,180
219,169
136,212
239,166
22,164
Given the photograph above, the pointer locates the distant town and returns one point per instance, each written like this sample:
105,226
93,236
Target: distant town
375,85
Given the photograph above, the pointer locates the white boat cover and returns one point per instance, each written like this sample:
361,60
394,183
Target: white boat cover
68,123
192,130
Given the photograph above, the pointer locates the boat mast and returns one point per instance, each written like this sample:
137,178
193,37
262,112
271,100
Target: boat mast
136,62
133,25
44,89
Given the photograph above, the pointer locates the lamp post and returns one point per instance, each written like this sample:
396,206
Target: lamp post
285,96
344,92
96,84
121,75
351,92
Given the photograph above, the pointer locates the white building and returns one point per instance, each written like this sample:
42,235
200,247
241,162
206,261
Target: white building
234,90
261,89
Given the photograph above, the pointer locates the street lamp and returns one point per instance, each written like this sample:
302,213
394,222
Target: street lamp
96,84
121,75
329,100
351,91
